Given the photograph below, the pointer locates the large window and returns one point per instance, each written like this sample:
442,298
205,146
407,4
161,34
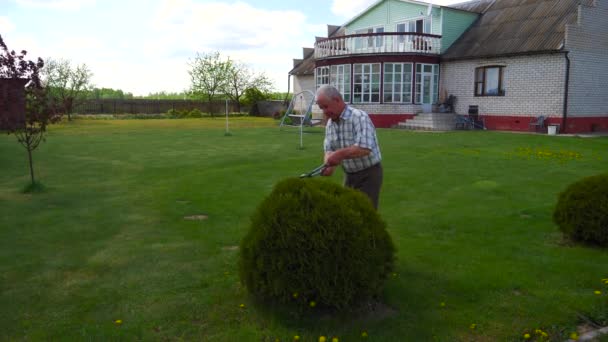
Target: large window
340,78
322,76
489,81
366,83
369,42
416,26
397,82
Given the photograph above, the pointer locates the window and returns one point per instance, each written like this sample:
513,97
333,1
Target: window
416,26
489,81
366,83
322,76
397,82
369,42
340,78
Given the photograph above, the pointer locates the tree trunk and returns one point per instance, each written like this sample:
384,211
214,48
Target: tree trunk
29,154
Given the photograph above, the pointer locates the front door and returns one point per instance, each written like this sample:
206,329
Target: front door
427,78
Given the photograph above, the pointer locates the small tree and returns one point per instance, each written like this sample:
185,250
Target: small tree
39,109
240,79
209,74
69,85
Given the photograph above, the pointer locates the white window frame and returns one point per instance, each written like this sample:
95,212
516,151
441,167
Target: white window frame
366,82
401,90
321,76
339,77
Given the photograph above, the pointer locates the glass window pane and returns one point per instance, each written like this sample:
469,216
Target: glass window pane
491,86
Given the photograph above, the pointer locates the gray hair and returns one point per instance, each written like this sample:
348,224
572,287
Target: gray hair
329,91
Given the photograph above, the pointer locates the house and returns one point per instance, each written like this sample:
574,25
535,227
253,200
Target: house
511,60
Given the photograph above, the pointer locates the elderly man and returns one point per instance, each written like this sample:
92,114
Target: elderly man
350,141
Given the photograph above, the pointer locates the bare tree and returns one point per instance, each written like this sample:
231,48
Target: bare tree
39,108
209,74
66,83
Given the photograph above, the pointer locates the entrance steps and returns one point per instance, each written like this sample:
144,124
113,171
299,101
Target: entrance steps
430,122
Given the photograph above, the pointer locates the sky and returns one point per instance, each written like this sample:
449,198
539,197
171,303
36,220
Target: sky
146,46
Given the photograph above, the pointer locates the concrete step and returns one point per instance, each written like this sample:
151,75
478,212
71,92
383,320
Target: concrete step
430,121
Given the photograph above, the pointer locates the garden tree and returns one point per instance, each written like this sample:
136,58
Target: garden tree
66,83
39,106
241,78
253,95
108,93
208,74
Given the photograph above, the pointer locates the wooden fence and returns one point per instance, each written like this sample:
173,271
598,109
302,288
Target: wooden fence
147,106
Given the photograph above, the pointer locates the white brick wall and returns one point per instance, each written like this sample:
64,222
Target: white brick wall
587,42
534,85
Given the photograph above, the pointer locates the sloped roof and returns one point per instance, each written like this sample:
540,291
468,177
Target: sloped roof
511,27
305,66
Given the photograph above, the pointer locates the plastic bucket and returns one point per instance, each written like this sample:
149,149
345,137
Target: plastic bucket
552,129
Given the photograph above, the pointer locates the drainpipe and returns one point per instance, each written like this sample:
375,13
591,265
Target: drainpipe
565,112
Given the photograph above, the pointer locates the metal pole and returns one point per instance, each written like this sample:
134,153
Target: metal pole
227,132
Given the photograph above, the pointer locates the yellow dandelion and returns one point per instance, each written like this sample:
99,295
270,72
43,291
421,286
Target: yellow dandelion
295,295
296,338
394,274
605,281
473,326
242,306
544,334
322,338
597,292
574,336
442,304
526,336
118,322
538,331
335,339
364,334
312,304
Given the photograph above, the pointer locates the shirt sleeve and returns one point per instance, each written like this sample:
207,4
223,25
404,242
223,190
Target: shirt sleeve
364,132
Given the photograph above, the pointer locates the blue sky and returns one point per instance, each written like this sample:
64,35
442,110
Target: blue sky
144,46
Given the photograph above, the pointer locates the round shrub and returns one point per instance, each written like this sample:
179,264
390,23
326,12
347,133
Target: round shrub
311,240
582,210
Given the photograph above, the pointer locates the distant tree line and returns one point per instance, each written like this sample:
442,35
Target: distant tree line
212,78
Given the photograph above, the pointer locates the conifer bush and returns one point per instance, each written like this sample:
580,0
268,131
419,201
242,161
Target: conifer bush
312,240
582,210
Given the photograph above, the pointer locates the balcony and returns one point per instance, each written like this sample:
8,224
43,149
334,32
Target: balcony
374,43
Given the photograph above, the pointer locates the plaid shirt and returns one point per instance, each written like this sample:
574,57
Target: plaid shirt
353,128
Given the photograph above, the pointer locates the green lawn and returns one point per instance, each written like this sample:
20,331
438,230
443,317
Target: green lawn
469,212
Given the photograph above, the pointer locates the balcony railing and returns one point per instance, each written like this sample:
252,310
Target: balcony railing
372,43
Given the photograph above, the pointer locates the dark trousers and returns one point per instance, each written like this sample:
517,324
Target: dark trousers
369,181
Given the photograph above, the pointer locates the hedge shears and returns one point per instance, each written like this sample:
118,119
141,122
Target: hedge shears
315,172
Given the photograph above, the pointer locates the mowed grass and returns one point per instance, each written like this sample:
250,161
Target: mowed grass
469,212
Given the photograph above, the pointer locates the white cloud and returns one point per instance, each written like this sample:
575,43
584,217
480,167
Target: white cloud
265,40
56,4
6,25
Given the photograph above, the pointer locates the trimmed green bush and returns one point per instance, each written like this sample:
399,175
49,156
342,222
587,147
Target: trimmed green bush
312,240
582,210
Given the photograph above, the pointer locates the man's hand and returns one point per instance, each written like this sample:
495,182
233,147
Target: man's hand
333,158
328,171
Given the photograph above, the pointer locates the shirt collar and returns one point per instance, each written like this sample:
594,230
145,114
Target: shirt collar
346,114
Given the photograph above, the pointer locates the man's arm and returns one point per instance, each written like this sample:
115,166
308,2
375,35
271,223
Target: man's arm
350,152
